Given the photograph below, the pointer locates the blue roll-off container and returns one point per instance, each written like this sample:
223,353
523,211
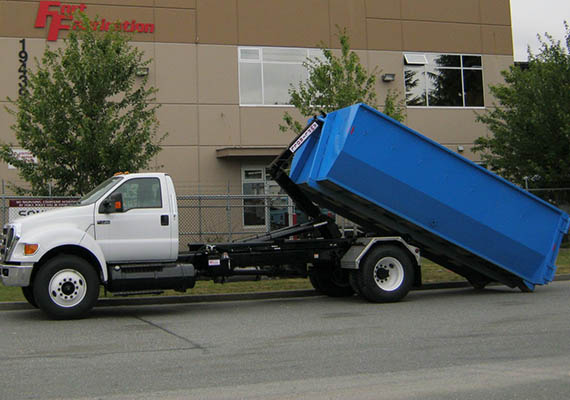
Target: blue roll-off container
390,179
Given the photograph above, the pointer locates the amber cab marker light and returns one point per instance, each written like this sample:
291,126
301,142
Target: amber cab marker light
30,249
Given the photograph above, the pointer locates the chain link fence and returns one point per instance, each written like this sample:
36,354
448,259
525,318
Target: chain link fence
223,218
201,218
227,217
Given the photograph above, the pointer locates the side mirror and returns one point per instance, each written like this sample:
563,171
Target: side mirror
112,204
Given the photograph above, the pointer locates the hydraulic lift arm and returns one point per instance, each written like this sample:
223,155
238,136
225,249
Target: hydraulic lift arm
278,173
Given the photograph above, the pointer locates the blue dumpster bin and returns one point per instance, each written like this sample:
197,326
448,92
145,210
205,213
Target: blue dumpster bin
392,180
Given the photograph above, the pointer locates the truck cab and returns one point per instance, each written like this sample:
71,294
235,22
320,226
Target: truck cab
135,218
129,218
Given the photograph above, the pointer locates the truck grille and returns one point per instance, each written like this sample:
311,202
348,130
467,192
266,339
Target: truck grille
7,241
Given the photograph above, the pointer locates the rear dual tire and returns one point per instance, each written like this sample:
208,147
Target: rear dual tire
333,282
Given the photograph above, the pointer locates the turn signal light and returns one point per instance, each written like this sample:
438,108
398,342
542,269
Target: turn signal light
30,249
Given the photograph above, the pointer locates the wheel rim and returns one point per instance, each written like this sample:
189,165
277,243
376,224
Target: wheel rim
388,274
67,288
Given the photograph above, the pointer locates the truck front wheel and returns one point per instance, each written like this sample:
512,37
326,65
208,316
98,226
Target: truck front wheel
66,287
386,275
28,292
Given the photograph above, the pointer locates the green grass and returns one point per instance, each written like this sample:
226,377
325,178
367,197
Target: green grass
8,293
431,273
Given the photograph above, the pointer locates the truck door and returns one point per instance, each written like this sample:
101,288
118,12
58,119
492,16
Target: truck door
142,231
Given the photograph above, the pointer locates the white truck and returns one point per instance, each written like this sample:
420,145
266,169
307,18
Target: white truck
124,235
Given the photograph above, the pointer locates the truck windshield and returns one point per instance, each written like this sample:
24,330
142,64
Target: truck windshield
99,191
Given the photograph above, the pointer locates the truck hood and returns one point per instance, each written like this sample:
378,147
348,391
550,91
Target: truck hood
80,217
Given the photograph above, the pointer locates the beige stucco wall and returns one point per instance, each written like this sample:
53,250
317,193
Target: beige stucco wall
471,25
195,65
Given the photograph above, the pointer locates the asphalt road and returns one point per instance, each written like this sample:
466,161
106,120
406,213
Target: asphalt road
442,344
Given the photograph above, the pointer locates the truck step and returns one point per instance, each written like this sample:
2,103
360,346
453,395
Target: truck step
136,292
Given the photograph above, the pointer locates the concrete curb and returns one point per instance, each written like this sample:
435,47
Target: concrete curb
188,299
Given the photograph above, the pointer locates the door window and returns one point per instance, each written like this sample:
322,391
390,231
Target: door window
254,208
141,193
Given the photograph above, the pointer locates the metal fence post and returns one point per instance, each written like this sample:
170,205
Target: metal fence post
199,213
3,204
267,212
229,213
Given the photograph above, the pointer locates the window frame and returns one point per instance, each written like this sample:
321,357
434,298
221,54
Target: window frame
244,181
460,68
420,60
309,52
128,181
267,184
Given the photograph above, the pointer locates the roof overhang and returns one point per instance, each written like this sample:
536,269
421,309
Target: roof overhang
249,151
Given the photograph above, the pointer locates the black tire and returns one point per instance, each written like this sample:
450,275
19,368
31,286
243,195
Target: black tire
331,281
386,274
314,281
353,280
66,287
28,293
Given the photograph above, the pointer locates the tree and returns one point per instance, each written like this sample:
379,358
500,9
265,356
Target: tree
531,124
333,83
394,106
85,114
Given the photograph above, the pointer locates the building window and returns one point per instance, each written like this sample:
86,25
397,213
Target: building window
267,73
272,205
443,80
254,208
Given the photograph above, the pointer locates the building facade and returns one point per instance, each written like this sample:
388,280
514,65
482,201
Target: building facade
223,68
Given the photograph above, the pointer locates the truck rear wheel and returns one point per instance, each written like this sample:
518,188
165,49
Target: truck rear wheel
314,282
331,281
66,287
386,274
353,280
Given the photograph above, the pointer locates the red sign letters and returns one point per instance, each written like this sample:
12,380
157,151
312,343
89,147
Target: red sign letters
62,19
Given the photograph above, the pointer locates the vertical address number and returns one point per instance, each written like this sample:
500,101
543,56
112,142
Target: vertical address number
23,68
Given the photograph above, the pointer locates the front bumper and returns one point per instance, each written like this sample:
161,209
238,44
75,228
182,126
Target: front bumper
16,275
